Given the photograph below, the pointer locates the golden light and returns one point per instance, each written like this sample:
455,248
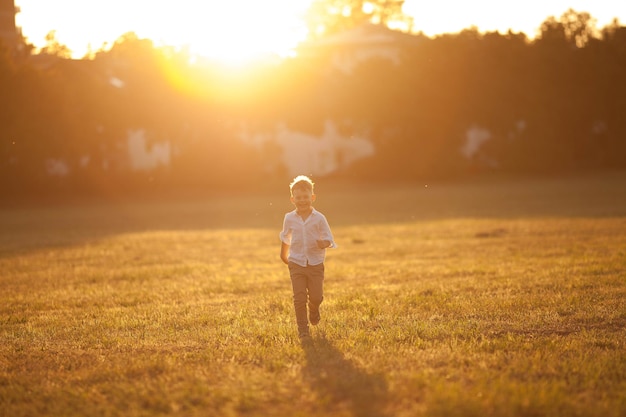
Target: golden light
368,8
237,32
232,31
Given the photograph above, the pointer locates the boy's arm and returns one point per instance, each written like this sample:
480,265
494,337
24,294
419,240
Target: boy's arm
323,244
284,252
326,239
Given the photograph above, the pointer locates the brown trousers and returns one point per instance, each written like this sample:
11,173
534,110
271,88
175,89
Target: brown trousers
308,286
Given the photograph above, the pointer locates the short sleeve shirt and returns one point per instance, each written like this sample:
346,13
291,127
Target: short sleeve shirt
302,236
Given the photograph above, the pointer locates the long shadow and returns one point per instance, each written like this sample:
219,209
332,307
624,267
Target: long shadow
29,229
340,383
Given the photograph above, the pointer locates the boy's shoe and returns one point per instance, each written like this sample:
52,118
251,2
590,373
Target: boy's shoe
314,317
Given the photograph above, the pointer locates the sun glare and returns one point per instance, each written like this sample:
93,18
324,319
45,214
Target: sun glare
241,31
233,31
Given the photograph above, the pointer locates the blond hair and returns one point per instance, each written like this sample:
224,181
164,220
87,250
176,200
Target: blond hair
301,182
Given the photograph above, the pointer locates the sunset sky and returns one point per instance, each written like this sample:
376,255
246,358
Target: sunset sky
238,29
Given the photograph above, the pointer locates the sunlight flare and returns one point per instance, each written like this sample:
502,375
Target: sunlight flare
234,31
239,32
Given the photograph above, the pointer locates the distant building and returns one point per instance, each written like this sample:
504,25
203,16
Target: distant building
303,152
346,50
9,32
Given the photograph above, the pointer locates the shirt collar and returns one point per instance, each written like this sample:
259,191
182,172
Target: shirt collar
295,211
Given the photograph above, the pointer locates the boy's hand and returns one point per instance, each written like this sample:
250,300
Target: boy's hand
284,253
323,244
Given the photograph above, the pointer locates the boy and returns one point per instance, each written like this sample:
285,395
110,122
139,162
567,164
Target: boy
305,237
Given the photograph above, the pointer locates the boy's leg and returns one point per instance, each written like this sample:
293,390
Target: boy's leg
299,285
316,291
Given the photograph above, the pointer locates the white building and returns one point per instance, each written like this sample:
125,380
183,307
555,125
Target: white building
303,152
352,47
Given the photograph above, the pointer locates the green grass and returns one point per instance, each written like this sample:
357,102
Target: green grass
488,298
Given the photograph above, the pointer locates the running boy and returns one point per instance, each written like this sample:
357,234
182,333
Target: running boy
305,237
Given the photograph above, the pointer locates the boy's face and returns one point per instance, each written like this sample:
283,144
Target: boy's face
302,199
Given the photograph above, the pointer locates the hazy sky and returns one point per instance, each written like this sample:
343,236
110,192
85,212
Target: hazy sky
235,28
439,16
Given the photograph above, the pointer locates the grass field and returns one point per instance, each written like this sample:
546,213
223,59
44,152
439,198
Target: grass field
486,298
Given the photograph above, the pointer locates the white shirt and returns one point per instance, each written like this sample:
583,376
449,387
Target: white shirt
302,236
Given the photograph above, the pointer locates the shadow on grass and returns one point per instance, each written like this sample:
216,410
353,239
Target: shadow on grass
32,228
340,383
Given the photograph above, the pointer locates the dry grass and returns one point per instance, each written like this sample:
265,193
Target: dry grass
490,298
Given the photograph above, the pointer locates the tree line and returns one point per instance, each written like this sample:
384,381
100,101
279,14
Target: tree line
552,104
